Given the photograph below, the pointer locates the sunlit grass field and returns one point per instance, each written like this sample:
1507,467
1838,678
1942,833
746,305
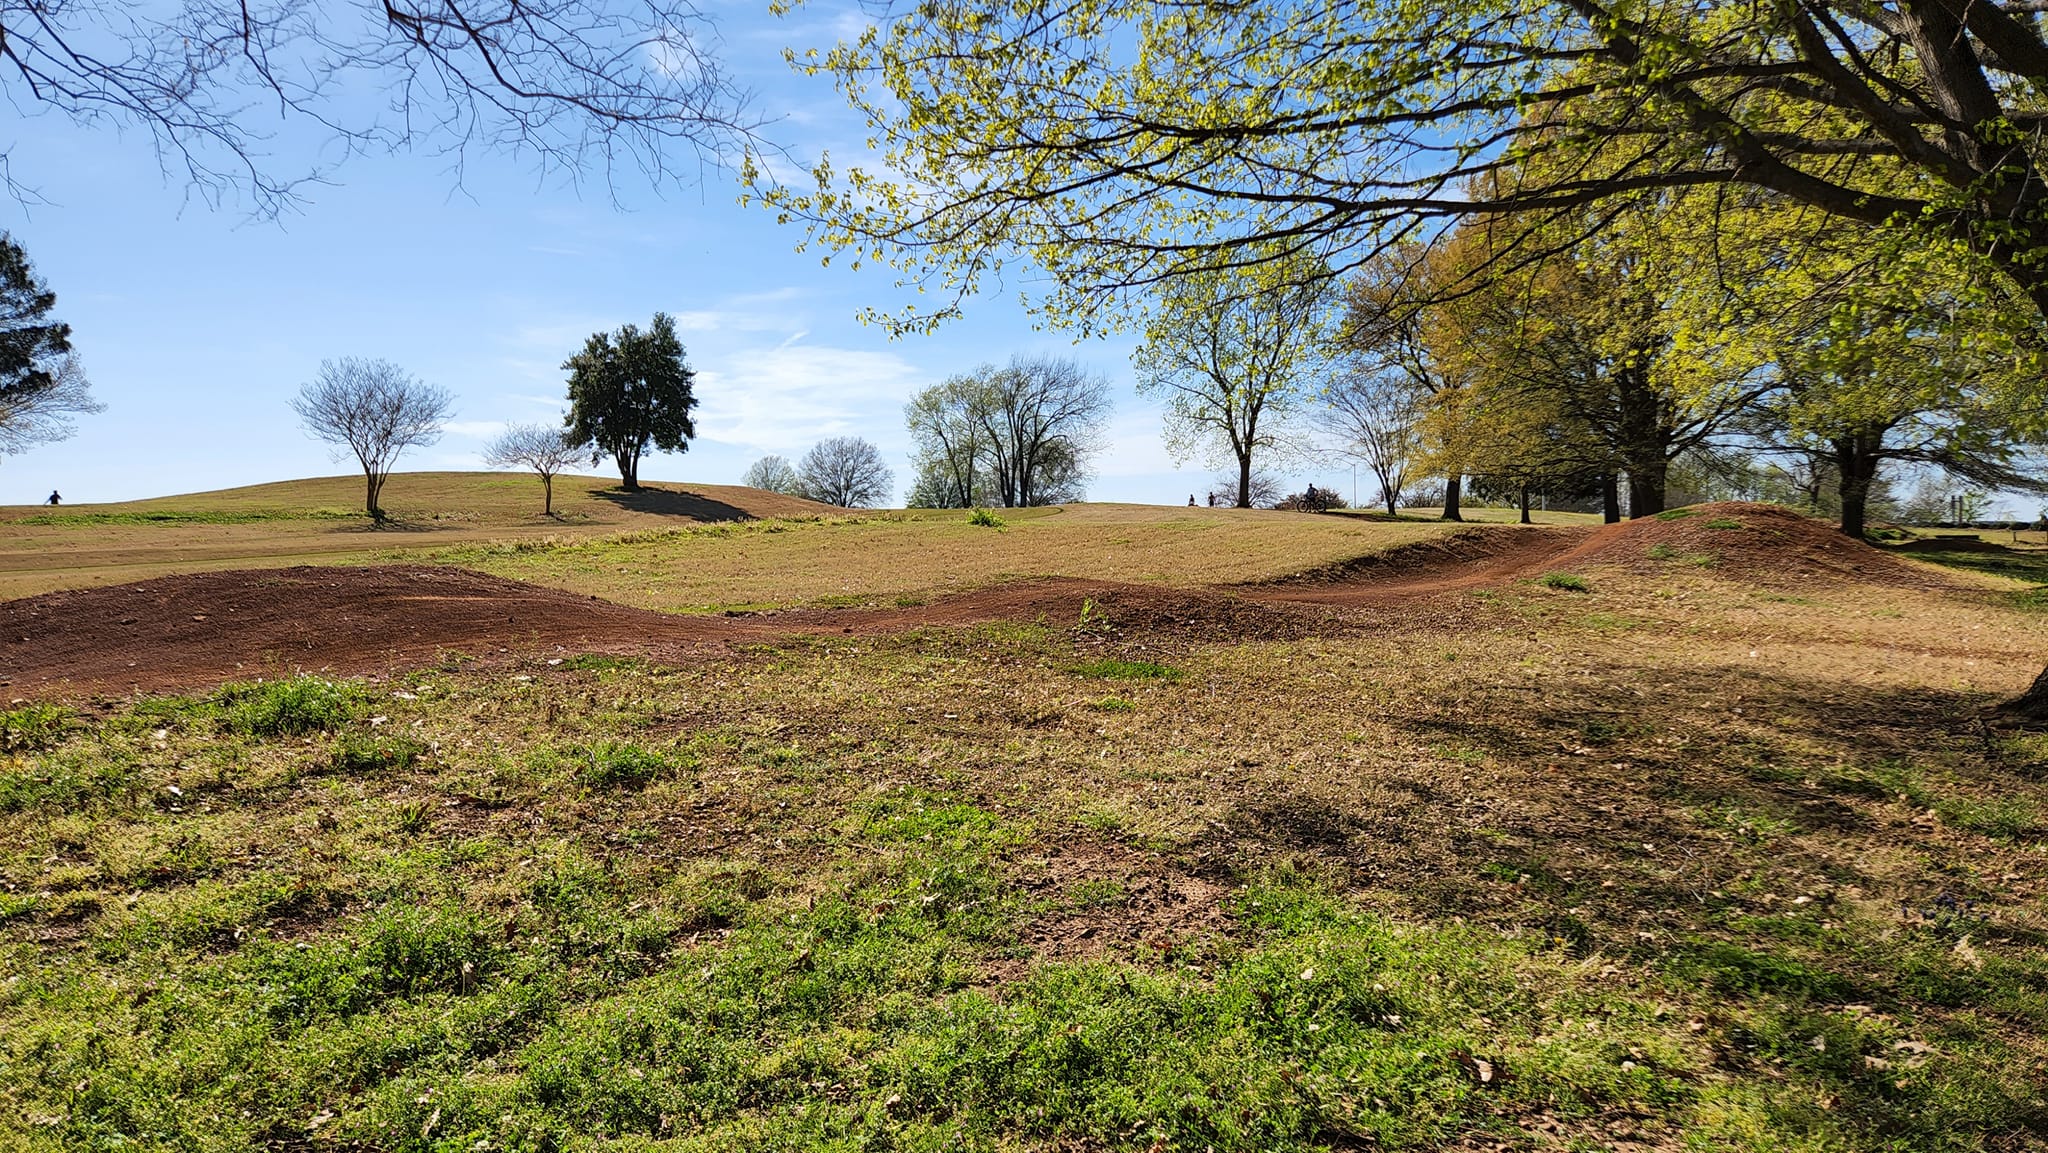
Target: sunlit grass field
1652,859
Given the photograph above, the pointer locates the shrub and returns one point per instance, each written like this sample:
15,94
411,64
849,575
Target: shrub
1565,582
984,519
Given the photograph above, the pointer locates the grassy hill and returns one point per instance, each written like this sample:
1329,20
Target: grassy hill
321,521
676,547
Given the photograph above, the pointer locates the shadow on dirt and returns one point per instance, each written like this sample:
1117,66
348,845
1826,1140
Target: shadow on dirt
673,502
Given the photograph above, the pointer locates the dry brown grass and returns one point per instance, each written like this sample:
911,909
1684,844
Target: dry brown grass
320,521
914,555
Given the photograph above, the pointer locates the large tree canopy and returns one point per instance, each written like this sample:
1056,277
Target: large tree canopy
1115,143
629,390
574,84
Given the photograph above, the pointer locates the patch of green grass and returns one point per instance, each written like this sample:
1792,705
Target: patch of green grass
1676,513
1112,705
374,752
289,708
1110,668
1565,582
33,726
1724,522
983,518
615,764
601,663
2026,565
193,516
2004,819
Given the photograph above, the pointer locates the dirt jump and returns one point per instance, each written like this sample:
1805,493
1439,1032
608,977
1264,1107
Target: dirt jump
199,630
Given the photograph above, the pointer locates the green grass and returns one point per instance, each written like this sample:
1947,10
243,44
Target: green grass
936,891
185,516
1110,668
1565,582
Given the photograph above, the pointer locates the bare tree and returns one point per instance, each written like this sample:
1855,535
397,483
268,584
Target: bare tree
374,409
846,471
773,474
572,85
1040,419
1374,419
29,417
540,449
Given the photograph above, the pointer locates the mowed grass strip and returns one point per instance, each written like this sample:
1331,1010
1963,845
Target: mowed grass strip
1517,879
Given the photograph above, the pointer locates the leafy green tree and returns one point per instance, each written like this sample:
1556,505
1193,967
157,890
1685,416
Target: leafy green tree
41,383
630,390
1118,144
1234,355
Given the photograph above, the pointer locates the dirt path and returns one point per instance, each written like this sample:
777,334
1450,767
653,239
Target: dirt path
198,630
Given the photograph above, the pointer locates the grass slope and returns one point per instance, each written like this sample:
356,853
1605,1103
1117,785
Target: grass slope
1666,863
321,521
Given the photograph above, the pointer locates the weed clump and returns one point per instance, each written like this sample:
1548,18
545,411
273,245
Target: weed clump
1565,582
371,753
292,708
616,764
30,727
983,518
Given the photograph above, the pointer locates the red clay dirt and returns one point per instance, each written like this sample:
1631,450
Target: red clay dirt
202,629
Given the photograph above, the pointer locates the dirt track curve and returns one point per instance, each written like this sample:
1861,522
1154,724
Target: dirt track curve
199,630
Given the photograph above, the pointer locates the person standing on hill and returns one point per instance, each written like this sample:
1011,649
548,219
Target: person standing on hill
55,497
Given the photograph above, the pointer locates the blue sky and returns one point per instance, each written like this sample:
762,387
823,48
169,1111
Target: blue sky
196,325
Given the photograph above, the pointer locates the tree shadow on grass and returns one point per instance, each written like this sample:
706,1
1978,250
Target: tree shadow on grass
674,502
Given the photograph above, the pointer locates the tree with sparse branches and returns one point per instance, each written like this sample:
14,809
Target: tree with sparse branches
541,449
630,390
1233,354
571,85
42,385
773,474
375,410
846,471
1374,420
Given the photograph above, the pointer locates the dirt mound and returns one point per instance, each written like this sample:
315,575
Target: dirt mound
201,629
1481,554
204,628
1763,544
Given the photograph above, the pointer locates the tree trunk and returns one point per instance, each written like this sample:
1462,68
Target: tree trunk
629,469
1451,486
547,496
1525,505
2029,710
1646,488
1244,480
1856,461
1393,501
1610,500
373,487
